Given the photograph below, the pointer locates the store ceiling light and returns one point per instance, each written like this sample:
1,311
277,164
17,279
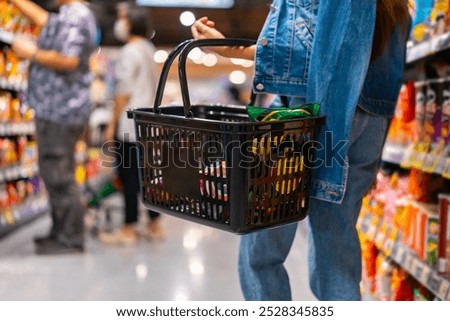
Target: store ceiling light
196,267
210,60
141,271
187,18
237,77
190,240
242,62
237,61
247,63
195,54
181,294
160,56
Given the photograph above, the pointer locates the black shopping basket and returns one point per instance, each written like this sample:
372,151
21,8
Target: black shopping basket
211,165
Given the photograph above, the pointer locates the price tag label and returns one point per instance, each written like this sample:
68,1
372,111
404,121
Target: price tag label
390,241
365,223
16,172
438,285
425,274
380,236
419,160
447,298
373,227
444,289
408,262
430,163
408,156
3,82
388,246
400,255
416,269
8,174
440,165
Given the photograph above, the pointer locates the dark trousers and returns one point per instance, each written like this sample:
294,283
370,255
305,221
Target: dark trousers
129,175
56,145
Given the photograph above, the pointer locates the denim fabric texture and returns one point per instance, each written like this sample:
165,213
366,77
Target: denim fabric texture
319,51
334,250
284,47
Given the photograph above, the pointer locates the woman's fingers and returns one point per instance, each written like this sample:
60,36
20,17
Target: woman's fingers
202,28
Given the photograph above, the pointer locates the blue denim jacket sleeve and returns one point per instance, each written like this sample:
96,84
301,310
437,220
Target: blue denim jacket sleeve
339,63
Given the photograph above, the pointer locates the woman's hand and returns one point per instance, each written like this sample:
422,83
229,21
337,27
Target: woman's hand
204,28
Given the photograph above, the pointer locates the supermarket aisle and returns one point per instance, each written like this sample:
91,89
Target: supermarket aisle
193,263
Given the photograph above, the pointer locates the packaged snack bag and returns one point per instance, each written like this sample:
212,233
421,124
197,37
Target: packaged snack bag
282,113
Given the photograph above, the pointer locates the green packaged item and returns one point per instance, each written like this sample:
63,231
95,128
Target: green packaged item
262,114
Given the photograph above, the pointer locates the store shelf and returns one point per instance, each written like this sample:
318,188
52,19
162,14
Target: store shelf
13,85
428,48
15,172
6,37
389,241
407,158
17,216
16,129
393,153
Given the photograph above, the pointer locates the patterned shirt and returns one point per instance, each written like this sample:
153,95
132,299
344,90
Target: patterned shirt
63,96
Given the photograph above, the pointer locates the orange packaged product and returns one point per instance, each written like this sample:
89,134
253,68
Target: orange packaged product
409,225
12,65
426,232
14,198
408,102
418,184
369,261
14,114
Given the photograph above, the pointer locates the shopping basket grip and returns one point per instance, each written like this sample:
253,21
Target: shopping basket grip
183,50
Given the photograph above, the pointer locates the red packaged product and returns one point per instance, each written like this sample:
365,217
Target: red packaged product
444,235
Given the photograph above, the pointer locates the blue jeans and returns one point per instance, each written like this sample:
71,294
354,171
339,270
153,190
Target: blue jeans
334,256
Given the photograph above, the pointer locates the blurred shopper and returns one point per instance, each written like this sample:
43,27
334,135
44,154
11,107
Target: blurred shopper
136,81
348,56
58,89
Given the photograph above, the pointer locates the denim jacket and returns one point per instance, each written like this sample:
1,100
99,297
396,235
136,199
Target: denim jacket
319,51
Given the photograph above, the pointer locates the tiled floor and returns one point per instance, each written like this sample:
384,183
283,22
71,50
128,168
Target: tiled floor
192,263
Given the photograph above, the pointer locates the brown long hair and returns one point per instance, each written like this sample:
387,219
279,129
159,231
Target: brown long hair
389,14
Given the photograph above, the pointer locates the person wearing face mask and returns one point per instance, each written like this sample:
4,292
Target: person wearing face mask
136,81
58,90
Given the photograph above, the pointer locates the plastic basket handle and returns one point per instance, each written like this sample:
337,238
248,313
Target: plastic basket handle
182,50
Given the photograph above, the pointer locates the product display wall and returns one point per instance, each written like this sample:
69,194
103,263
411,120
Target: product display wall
22,196
404,220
